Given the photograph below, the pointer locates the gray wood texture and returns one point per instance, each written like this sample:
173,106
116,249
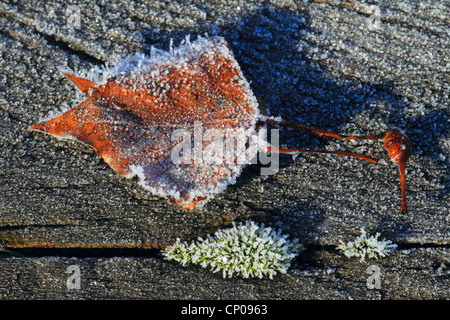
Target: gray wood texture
336,65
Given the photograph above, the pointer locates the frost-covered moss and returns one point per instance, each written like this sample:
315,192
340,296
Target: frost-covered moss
367,247
246,250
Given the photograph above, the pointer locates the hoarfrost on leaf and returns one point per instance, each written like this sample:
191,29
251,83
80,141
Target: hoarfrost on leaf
127,111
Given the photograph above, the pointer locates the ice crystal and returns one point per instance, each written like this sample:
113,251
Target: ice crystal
246,250
366,246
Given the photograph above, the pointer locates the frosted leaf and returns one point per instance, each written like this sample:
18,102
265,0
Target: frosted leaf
132,107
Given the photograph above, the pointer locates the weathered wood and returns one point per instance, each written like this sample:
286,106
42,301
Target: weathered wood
322,63
407,274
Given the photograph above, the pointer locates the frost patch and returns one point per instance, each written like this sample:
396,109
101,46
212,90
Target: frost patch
366,246
245,250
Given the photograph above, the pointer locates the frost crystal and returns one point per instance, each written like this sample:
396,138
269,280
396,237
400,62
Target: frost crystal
247,250
367,247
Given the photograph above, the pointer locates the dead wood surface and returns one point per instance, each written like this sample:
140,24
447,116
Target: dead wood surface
328,64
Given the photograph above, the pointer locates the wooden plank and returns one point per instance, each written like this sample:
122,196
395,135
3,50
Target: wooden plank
317,63
319,274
